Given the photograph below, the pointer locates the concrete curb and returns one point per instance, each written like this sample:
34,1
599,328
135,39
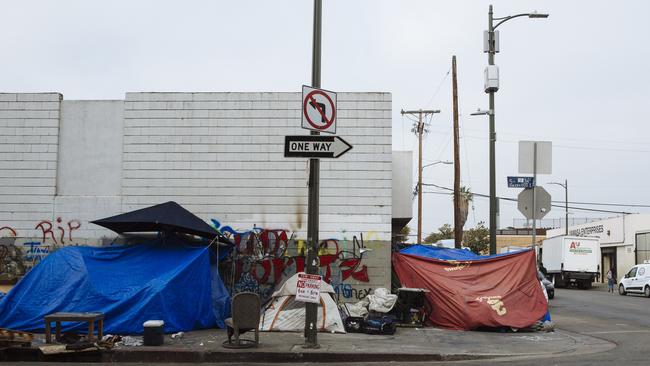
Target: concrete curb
186,356
582,344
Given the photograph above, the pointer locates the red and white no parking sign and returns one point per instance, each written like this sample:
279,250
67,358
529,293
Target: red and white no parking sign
318,109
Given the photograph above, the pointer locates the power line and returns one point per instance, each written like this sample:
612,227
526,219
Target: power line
567,147
435,94
605,204
515,200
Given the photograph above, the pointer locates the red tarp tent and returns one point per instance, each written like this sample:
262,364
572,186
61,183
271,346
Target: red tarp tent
492,292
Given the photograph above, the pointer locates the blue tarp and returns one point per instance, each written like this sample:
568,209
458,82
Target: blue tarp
445,253
129,284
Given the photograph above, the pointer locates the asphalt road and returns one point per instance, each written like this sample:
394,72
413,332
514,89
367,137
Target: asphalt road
624,320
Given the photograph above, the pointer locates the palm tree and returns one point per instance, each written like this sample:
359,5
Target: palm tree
466,196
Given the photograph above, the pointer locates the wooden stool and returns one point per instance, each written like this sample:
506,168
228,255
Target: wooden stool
74,317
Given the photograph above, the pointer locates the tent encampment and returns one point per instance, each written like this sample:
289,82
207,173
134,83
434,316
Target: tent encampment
285,313
493,291
129,284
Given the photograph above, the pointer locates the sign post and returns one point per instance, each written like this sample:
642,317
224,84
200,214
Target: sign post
521,182
315,146
535,157
318,109
308,288
542,203
311,309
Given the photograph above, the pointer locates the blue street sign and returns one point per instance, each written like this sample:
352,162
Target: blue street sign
521,182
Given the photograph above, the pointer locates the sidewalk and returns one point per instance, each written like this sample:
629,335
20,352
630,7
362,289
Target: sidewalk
407,345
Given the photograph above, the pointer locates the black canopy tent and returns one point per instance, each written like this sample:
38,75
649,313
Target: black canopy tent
164,217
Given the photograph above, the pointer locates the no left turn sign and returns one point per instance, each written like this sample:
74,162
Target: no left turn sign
318,109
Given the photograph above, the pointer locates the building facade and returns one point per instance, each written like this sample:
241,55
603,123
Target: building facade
220,155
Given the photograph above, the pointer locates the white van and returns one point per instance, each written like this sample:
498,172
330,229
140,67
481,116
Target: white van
637,280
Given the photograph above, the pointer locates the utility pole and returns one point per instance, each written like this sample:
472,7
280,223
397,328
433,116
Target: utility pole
419,130
458,229
311,340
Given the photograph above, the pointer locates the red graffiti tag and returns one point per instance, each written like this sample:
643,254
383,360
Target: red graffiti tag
11,230
46,227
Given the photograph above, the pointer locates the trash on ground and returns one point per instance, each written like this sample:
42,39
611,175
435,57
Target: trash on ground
130,341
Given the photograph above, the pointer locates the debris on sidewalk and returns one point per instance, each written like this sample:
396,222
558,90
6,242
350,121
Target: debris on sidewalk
53,349
130,341
12,338
178,335
109,341
370,315
69,338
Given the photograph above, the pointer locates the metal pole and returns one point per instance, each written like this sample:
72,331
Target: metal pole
458,226
535,199
566,206
420,130
493,138
311,340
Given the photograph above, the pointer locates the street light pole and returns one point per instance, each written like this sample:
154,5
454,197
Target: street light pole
493,138
492,49
566,207
566,204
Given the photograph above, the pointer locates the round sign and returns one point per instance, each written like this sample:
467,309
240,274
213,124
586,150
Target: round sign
318,101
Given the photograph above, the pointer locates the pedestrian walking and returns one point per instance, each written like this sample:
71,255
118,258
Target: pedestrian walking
610,281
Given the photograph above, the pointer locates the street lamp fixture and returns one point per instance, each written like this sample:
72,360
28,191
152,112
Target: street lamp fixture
491,46
566,204
481,112
418,192
535,14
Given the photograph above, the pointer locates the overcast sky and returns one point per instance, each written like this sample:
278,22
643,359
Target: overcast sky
579,78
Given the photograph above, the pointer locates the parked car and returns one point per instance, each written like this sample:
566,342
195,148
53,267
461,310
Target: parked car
550,288
636,280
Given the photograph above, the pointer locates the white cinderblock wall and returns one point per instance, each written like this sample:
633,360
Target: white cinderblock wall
221,156
29,137
218,154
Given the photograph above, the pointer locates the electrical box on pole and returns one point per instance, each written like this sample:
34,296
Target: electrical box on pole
486,41
491,78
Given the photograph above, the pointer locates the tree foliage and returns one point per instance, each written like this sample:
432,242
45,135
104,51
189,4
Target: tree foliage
404,234
444,232
477,239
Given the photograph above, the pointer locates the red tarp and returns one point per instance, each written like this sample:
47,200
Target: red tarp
493,292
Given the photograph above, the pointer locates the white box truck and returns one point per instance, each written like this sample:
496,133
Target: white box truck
571,260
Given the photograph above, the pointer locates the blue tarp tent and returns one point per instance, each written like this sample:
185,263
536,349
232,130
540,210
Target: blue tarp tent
129,284
446,254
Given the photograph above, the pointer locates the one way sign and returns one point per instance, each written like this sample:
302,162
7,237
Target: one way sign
314,146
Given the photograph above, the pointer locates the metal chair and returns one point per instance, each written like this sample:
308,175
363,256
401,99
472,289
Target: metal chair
245,309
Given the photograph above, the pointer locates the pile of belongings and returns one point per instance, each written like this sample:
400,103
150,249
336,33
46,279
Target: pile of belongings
370,315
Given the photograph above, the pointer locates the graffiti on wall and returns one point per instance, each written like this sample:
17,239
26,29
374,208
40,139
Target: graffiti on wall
17,257
57,231
263,257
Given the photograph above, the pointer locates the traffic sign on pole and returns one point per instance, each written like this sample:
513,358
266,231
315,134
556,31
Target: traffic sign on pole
542,203
521,182
318,109
315,146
